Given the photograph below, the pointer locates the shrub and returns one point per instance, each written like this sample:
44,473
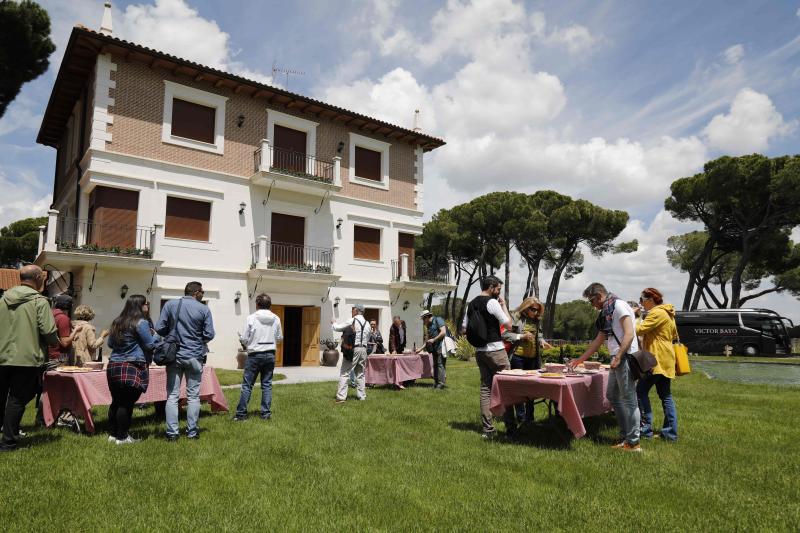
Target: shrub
464,350
571,351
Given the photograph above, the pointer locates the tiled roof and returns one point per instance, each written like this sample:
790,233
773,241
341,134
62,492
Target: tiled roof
9,277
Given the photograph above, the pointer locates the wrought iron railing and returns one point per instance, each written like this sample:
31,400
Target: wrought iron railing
294,163
293,257
420,272
87,236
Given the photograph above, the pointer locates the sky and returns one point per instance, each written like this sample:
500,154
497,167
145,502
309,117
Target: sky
609,101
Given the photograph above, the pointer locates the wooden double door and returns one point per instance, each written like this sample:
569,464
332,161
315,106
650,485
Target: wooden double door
300,325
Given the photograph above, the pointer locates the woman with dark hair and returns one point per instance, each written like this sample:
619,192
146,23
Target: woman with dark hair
658,332
132,347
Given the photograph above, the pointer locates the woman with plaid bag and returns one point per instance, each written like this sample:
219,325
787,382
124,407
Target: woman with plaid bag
132,347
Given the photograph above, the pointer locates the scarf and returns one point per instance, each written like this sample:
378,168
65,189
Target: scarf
606,315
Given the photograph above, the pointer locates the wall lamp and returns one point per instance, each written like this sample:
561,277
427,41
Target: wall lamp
336,301
339,222
340,147
241,208
237,296
406,304
240,121
123,291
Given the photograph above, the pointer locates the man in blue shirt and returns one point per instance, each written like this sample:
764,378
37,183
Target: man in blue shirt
194,329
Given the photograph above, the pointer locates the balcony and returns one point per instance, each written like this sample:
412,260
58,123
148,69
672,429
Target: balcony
421,276
294,171
79,241
291,261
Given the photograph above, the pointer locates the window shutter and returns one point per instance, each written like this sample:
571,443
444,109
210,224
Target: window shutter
193,121
187,219
113,215
366,243
290,149
368,164
287,239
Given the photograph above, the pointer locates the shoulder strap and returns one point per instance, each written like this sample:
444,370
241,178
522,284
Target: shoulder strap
174,329
361,325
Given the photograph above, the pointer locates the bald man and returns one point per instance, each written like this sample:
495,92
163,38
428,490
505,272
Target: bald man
26,329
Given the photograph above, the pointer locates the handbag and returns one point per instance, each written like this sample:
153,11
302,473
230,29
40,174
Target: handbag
448,346
682,366
640,363
167,352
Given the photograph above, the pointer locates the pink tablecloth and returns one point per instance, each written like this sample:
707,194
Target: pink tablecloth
79,392
395,369
577,396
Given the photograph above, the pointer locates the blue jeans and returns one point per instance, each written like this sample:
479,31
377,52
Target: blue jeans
524,411
193,370
669,430
621,393
257,363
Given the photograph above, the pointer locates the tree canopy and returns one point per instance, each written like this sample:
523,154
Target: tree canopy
19,240
748,205
25,47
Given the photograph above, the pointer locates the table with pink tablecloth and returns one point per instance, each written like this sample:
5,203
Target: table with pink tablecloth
577,396
80,391
395,369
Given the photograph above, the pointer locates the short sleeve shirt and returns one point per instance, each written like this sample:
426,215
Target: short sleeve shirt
621,310
64,328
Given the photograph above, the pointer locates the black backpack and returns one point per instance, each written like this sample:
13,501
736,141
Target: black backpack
349,341
477,331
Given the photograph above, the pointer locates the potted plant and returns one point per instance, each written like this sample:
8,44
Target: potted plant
330,357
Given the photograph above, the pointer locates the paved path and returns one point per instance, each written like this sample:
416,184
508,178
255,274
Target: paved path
302,374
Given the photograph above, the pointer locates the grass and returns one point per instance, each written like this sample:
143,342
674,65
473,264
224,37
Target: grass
413,460
786,360
234,377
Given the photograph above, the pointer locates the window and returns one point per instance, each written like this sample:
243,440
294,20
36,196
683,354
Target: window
187,219
287,239
369,161
193,118
290,149
193,121
112,217
368,164
366,243
373,313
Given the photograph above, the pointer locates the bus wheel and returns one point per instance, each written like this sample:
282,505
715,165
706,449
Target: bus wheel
750,350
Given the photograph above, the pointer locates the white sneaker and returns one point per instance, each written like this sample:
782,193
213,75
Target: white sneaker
127,440
112,439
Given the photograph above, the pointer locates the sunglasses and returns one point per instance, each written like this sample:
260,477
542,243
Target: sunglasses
643,300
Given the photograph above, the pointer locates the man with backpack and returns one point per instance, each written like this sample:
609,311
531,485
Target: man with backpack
354,352
485,313
436,331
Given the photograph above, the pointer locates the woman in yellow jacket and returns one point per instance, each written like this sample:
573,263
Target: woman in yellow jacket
657,331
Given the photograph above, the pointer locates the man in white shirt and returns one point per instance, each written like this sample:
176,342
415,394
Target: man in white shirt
359,358
615,326
262,333
490,308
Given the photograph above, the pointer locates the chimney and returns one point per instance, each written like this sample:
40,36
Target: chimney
416,120
106,25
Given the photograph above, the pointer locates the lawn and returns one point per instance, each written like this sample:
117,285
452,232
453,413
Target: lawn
414,460
234,377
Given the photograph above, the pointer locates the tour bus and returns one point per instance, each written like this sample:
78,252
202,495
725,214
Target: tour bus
746,331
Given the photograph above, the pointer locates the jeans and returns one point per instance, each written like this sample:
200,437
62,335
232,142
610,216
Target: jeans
120,412
669,430
257,363
524,411
18,386
489,364
193,370
357,365
621,393
439,371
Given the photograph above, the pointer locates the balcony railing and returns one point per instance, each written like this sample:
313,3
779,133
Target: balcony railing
87,236
405,270
291,257
274,159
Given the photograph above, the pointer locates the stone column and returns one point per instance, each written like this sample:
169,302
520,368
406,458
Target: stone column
337,171
52,222
404,267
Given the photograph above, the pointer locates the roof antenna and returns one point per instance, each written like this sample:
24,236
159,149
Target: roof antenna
278,70
416,120
106,27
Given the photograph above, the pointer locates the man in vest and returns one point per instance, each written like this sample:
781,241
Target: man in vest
490,307
359,360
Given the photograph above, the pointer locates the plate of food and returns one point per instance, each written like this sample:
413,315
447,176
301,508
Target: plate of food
513,372
586,371
73,369
552,375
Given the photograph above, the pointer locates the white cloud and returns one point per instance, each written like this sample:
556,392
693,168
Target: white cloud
733,54
797,12
749,125
575,37
21,200
22,114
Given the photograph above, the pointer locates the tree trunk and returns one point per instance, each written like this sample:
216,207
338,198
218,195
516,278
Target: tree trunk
470,281
446,307
430,300
508,273
536,278
694,273
528,282
550,302
736,279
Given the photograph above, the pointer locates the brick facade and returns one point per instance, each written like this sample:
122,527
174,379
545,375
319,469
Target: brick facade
137,123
